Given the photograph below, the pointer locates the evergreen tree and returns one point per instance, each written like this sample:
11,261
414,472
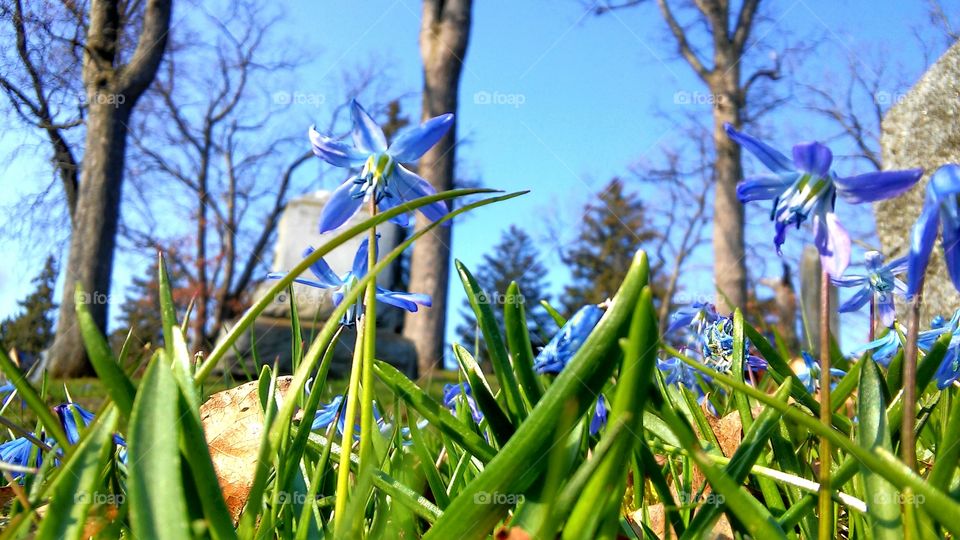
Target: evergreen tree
140,311
31,331
611,230
514,258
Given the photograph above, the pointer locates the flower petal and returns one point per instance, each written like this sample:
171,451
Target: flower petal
832,241
873,260
362,257
335,152
403,300
888,312
367,134
391,201
856,301
774,160
410,144
876,186
342,205
762,187
408,186
944,182
813,157
322,271
922,237
849,281
951,244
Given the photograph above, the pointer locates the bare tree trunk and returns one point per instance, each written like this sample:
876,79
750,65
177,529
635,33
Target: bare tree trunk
729,267
444,33
112,92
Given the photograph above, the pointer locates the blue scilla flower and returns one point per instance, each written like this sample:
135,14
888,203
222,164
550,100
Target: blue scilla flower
326,278
455,393
697,315
888,345
809,374
717,349
335,411
805,187
941,213
17,452
558,352
382,176
599,418
879,282
69,414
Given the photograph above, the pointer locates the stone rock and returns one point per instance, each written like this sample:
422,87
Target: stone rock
922,130
297,230
272,338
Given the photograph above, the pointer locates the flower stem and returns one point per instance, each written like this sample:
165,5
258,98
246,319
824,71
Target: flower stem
350,415
871,334
369,351
908,448
826,411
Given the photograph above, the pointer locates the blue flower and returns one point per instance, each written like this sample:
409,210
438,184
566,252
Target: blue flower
17,452
942,206
328,413
697,314
382,176
810,374
880,282
454,393
599,418
326,278
888,345
68,414
717,348
555,355
677,372
806,187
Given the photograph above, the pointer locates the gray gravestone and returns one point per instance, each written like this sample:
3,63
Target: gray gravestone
922,130
297,230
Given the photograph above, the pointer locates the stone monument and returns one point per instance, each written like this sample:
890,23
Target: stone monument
297,230
922,130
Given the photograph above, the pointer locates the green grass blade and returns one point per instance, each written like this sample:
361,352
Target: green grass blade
518,341
753,444
156,494
483,310
115,382
433,412
521,460
749,511
497,420
75,486
873,433
603,494
168,311
33,400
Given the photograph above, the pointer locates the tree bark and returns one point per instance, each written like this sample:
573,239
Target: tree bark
111,92
729,267
444,33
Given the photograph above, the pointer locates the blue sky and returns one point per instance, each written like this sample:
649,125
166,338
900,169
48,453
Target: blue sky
553,99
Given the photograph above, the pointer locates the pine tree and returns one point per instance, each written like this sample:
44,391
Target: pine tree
514,258
140,311
611,230
31,331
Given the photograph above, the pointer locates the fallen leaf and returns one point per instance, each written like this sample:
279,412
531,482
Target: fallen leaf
233,425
